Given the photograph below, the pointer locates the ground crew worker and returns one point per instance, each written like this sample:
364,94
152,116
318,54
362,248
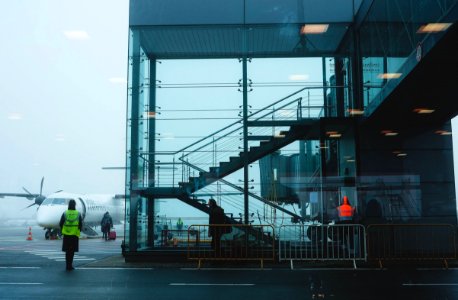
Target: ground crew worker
345,211
71,224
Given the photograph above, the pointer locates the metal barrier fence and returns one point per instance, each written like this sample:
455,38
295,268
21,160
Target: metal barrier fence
340,242
411,242
231,242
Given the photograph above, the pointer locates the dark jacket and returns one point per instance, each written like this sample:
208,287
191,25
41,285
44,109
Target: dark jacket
106,223
217,216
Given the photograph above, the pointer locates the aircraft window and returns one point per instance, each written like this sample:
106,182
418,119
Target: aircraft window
56,201
60,201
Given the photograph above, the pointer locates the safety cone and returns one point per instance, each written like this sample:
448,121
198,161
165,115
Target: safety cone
29,236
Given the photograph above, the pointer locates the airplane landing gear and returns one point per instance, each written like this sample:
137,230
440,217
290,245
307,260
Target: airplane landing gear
52,234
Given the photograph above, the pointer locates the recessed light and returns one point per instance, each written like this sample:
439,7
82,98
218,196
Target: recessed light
401,154
151,114
354,111
423,110
389,75
314,28
389,133
298,77
443,132
15,116
433,27
76,35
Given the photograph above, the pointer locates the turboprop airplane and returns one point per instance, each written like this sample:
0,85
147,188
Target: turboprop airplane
91,207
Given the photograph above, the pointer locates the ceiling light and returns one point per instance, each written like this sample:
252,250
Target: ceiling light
335,135
433,27
120,80
423,110
76,35
314,28
389,133
298,77
443,132
15,116
401,154
389,75
354,111
151,114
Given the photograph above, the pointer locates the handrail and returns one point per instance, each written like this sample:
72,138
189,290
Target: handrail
249,193
261,109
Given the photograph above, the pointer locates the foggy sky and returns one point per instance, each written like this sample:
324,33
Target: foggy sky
63,97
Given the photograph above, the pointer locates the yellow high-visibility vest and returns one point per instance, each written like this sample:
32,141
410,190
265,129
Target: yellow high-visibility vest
71,224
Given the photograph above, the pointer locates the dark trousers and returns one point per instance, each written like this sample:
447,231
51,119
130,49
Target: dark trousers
69,259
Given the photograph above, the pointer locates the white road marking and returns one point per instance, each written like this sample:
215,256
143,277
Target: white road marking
20,283
20,267
430,284
57,255
113,268
212,284
226,269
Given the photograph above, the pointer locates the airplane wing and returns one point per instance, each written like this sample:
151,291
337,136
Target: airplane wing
29,196
120,196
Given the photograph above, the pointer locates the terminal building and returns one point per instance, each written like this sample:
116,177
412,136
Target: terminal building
278,109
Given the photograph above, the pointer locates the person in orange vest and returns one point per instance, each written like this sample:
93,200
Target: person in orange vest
345,211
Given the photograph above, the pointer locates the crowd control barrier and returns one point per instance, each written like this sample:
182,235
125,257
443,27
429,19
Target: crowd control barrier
231,243
411,242
339,242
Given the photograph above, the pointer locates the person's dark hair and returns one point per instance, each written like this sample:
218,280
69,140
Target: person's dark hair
212,203
72,204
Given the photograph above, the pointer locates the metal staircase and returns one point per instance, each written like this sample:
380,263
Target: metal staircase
221,153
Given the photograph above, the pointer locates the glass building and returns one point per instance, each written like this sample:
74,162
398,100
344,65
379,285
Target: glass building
278,109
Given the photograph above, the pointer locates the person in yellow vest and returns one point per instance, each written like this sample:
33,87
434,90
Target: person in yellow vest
71,224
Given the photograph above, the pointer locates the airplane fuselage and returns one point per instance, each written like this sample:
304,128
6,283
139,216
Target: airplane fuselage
91,207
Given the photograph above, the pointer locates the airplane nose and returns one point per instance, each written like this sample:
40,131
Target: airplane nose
49,216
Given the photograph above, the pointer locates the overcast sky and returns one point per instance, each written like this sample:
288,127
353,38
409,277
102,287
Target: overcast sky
63,95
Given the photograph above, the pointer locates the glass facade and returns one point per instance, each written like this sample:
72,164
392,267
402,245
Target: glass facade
278,111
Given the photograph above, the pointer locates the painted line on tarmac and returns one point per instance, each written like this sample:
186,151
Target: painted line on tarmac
113,268
20,283
430,284
20,267
435,269
226,269
211,284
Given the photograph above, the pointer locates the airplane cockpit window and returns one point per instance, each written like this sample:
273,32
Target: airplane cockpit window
55,201
60,201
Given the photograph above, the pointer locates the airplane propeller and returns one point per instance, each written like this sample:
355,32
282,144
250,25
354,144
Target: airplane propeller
38,199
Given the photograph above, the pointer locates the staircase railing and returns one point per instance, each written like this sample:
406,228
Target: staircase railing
228,141
199,156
